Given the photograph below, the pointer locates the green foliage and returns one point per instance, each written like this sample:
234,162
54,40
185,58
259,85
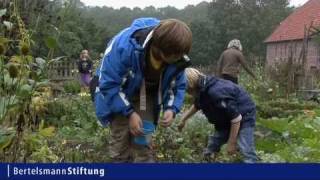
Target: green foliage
317,39
60,28
72,87
70,133
47,132
6,138
24,93
250,21
51,42
71,44
295,139
37,127
173,146
78,138
283,108
3,12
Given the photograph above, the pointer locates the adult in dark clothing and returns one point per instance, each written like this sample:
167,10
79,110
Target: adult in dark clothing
230,62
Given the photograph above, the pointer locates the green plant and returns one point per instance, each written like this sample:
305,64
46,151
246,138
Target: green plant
72,87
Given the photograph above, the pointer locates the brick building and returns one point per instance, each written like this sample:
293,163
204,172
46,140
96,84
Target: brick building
294,40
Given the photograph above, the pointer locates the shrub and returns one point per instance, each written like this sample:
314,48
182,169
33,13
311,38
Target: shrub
72,87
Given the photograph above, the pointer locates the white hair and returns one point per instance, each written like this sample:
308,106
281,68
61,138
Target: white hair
235,43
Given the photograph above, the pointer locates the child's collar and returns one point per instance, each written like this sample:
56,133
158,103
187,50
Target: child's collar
206,81
202,82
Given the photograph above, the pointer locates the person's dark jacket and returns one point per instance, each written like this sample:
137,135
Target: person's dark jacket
221,101
84,66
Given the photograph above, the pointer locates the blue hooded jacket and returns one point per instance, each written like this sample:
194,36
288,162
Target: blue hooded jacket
121,75
222,100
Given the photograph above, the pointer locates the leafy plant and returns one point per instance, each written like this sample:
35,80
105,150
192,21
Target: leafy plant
72,87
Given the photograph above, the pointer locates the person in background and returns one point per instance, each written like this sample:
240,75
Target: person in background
85,68
229,108
230,62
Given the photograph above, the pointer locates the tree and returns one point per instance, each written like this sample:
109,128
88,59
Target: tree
74,26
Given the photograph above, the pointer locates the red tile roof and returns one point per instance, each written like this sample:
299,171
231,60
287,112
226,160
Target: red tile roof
292,28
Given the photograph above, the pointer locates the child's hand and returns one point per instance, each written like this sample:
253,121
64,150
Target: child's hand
181,125
167,118
135,124
231,148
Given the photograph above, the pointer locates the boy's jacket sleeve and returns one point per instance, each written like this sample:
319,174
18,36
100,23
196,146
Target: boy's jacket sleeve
115,65
177,95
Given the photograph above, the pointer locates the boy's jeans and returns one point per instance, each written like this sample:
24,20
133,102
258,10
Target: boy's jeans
245,143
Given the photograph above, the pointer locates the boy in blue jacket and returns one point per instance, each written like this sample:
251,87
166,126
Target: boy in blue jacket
229,108
141,74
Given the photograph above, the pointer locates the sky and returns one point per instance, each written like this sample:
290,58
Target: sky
156,3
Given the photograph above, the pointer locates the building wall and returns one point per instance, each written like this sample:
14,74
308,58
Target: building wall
314,55
279,52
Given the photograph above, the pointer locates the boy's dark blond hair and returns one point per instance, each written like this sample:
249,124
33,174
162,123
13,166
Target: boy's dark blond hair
172,37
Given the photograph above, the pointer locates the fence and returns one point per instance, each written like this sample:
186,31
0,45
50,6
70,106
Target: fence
64,70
